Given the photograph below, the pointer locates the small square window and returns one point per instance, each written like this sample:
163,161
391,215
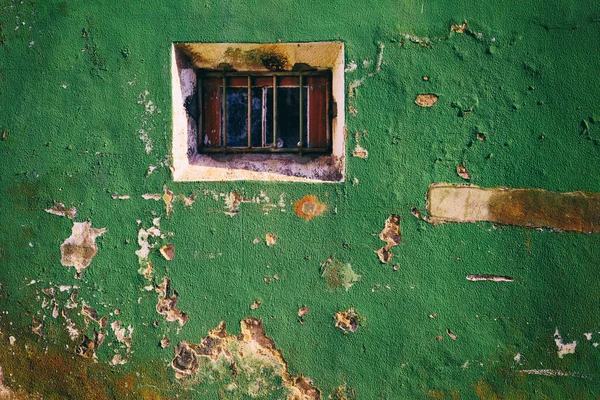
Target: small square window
265,113
269,112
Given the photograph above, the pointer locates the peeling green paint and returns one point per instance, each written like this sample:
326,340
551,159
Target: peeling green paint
85,121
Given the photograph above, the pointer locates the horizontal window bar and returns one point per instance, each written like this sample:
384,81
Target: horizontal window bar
265,150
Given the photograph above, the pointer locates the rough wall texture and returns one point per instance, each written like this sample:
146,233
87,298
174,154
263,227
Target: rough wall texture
85,122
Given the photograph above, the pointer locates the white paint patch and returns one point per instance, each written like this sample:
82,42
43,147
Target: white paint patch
353,85
149,196
351,67
150,109
563,348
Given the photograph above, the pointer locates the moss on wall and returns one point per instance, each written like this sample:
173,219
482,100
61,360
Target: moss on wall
85,121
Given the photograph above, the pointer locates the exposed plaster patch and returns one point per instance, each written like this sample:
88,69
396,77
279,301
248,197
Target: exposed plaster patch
168,251
123,335
588,335
88,347
359,151
167,303
575,211
392,236
118,360
353,85
563,348
79,249
348,320
232,202
459,28
168,198
548,372
422,40
302,311
150,196
462,171
251,356
426,99
91,313
120,197
270,239
60,210
309,207
338,274
255,305
451,334
488,277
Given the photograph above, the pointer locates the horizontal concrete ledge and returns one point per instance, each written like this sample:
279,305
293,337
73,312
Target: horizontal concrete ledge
535,208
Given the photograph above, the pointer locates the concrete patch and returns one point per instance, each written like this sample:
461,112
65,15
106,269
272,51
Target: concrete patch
536,208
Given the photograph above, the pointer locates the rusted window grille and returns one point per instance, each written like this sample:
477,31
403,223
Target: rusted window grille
284,112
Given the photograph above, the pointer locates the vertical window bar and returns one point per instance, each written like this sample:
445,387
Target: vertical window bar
301,100
200,122
224,124
249,111
328,111
274,144
264,116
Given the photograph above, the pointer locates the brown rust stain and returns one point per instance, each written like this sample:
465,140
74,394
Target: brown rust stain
32,371
308,207
266,56
577,211
242,355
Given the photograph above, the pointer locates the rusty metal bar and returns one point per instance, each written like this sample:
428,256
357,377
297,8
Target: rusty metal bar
249,111
274,144
224,111
300,102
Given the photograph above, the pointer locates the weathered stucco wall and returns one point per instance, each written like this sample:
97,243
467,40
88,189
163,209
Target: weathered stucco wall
348,308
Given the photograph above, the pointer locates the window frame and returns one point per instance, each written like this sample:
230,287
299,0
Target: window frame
190,165
323,105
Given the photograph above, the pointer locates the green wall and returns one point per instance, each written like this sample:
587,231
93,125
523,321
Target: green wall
73,79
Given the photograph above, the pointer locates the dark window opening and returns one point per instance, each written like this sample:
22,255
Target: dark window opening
274,112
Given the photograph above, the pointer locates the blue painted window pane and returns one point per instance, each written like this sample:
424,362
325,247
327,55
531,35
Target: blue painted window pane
237,117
